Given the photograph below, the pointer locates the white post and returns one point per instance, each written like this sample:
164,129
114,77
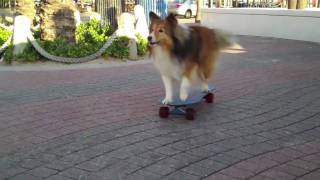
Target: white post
21,26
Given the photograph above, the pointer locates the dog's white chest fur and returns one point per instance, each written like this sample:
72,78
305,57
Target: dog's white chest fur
165,64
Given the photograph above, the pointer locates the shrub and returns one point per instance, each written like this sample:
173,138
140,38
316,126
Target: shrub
60,47
4,35
93,32
90,38
118,49
142,45
29,55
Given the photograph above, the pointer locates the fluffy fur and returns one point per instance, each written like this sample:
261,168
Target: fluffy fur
185,56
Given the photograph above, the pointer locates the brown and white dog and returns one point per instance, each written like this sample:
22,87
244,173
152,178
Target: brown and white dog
185,56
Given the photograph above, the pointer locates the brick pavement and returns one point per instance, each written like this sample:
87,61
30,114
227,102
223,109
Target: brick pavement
102,123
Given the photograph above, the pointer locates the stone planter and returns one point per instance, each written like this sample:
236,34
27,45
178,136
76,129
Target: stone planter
292,4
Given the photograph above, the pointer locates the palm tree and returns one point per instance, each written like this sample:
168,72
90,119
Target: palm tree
198,15
57,20
26,8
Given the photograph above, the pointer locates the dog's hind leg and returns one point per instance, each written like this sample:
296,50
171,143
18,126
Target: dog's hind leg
185,88
204,86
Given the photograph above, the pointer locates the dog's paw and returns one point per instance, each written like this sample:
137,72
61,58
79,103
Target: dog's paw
167,101
205,91
205,88
184,95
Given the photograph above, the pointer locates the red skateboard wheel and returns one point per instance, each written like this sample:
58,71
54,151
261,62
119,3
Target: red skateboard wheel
209,98
164,112
190,113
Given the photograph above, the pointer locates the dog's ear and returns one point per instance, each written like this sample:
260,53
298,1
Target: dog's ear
153,16
172,20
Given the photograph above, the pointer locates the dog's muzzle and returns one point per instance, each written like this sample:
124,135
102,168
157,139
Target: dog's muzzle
152,43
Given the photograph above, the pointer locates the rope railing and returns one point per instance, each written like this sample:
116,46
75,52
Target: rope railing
69,60
51,57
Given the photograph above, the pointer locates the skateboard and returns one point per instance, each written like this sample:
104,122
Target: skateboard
185,108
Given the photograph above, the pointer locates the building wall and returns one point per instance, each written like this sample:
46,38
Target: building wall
279,23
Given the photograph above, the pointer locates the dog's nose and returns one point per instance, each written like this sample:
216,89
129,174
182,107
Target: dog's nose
149,38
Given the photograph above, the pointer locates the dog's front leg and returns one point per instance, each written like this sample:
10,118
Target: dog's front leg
168,85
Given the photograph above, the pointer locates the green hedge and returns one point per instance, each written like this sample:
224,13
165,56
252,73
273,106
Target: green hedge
4,35
90,37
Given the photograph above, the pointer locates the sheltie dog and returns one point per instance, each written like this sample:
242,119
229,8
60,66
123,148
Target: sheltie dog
184,55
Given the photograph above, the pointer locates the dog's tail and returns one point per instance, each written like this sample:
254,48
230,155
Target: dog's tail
222,38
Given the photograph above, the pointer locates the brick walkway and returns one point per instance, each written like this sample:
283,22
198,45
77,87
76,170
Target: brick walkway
102,123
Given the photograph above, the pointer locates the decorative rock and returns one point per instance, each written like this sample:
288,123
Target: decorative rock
77,17
22,26
126,25
141,25
126,28
133,53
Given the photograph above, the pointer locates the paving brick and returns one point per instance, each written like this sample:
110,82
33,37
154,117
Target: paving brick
24,177
97,163
74,173
237,173
314,175
57,177
143,175
274,174
219,176
153,156
292,170
9,172
181,175
103,121
303,164
31,163
42,172
59,165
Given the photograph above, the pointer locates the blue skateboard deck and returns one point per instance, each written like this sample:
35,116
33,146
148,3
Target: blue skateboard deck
191,100
183,108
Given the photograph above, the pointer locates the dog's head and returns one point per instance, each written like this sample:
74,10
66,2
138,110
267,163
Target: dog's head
162,30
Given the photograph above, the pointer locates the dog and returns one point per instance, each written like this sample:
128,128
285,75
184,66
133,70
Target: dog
185,56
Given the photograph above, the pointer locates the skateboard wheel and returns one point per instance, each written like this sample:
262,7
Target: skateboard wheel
209,98
190,113
164,112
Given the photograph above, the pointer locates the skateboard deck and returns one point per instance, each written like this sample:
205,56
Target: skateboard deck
184,107
191,100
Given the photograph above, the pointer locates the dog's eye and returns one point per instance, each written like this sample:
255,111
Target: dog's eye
160,30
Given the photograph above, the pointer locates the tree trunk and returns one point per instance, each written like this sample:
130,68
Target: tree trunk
198,15
26,8
292,4
58,20
218,3
301,4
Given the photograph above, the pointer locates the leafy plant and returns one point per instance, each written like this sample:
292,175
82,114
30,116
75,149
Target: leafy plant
93,32
60,47
4,35
118,49
142,45
29,55
90,38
